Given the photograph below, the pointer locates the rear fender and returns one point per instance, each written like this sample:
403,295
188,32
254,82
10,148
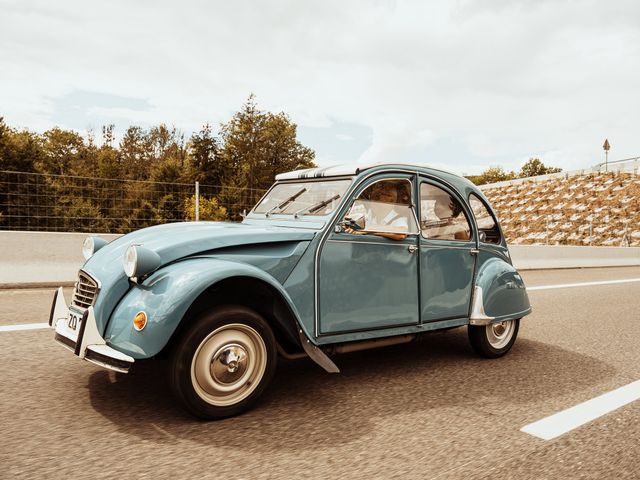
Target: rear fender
499,293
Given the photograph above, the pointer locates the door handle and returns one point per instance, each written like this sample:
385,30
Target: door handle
474,251
412,248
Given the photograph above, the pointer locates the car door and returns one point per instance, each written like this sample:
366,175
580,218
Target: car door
448,252
368,281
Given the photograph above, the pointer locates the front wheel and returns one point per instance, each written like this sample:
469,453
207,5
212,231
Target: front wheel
494,340
223,363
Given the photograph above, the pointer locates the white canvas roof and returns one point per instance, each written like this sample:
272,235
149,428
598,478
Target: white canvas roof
347,169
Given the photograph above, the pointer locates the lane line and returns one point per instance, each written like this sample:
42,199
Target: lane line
584,284
562,422
24,326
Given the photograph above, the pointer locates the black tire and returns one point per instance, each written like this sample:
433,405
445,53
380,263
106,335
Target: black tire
228,348
489,342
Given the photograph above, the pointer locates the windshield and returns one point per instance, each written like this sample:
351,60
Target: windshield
304,198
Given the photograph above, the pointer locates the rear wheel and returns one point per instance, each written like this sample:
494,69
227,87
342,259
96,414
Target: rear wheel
494,340
223,363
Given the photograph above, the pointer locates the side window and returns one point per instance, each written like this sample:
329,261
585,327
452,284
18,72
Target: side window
441,215
486,223
386,207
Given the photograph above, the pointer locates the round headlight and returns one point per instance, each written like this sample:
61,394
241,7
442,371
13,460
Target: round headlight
91,245
130,261
139,261
87,248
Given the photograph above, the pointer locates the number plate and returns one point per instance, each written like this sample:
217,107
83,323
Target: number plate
74,320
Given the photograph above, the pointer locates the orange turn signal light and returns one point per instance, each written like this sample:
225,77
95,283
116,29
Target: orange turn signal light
140,321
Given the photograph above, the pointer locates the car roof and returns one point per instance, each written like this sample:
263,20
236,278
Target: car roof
352,169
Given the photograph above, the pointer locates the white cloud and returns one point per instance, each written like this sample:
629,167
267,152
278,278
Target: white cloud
502,81
343,137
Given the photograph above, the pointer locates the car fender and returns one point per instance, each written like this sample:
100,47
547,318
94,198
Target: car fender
499,294
166,296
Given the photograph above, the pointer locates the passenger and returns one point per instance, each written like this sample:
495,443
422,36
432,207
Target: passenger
451,226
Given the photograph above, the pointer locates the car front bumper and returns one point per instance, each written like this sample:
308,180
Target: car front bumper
76,329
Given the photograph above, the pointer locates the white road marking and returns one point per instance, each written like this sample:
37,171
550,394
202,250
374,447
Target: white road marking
585,284
574,417
25,326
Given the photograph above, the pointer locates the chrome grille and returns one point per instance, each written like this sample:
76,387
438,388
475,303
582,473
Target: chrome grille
86,291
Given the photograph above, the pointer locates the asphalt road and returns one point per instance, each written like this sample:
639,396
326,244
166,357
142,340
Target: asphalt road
430,409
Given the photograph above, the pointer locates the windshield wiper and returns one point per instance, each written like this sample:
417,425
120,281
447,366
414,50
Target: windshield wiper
286,202
316,207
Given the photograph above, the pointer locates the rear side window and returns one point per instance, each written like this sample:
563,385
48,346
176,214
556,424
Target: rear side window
441,215
486,222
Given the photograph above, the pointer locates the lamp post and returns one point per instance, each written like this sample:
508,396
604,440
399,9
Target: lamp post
606,147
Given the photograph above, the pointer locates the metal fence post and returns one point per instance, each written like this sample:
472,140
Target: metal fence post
197,201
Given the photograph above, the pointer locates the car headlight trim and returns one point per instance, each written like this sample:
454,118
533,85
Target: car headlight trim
91,245
130,261
139,261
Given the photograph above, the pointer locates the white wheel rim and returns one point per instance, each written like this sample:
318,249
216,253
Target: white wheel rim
228,364
499,334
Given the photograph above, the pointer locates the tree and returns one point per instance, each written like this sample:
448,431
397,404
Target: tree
206,163
112,182
534,167
492,175
19,152
210,209
18,149
64,154
257,146
135,154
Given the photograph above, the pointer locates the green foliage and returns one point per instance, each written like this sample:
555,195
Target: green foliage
492,175
205,161
534,167
142,216
145,178
210,209
19,150
65,153
256,146
78,212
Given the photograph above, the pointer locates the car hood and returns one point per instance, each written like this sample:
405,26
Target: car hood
177,240
172,242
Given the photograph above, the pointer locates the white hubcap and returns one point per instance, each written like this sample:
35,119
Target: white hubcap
229,364
499,334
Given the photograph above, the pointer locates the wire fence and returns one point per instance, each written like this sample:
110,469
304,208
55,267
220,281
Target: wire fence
595,209
45,202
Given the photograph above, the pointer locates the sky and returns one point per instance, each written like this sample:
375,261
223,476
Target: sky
459,84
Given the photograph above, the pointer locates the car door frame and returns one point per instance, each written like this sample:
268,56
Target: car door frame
356,189
423,242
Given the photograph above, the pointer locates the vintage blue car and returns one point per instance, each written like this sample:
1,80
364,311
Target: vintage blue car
330,260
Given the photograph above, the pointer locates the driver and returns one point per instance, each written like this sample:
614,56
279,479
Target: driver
384,212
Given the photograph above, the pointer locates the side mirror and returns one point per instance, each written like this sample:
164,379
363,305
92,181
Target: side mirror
482,236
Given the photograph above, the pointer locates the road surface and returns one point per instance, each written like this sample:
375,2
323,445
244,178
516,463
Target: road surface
430,409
